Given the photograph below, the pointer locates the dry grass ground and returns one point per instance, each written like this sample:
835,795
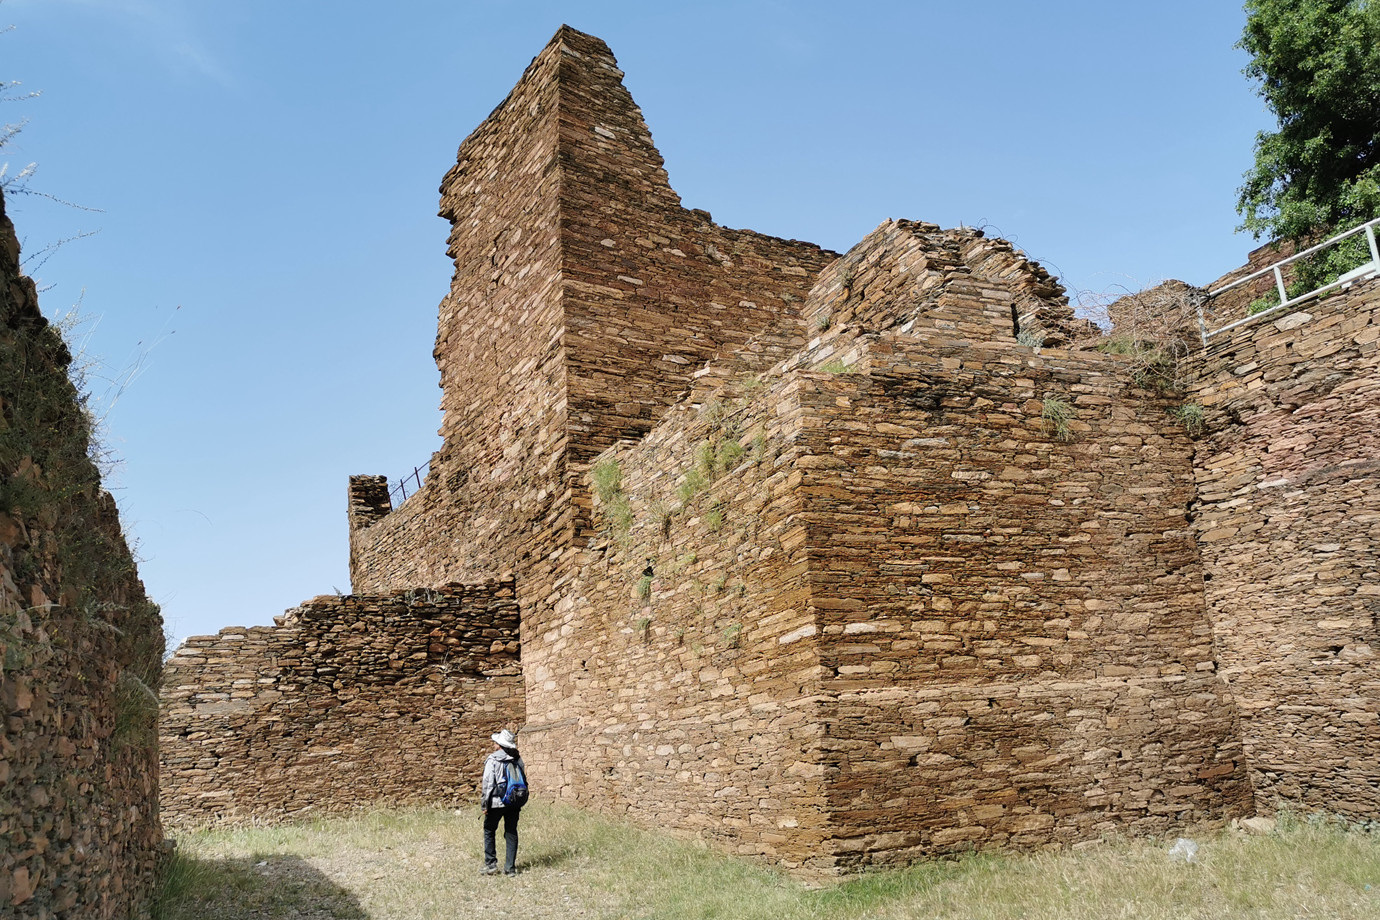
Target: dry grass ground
424,864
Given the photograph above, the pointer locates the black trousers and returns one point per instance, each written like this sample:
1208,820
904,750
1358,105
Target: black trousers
509,816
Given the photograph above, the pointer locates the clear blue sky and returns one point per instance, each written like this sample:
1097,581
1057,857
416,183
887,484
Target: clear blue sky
269,258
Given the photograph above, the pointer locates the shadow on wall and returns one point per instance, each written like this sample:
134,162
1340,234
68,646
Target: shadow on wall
253,886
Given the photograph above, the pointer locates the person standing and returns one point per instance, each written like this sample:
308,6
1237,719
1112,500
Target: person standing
502,769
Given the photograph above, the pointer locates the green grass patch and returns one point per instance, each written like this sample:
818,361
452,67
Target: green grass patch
136,713
422,864
729,453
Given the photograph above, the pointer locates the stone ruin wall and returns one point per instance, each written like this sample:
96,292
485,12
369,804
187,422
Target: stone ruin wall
677,667
347,702
1288,521
899,616
855,642
1015,641
1016,622
80,647
551,348
584,299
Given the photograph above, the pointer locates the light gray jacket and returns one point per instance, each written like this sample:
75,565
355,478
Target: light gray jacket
490,794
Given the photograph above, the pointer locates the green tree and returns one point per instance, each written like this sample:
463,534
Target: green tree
1318,65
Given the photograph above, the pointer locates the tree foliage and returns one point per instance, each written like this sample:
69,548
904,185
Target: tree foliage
1318,64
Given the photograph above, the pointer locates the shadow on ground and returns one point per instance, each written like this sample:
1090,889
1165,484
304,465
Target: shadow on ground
268,887
547,858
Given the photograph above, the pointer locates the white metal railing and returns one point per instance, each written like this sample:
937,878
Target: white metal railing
1362,272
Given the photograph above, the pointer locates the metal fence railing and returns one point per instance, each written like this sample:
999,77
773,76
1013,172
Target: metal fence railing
398,492
1361,273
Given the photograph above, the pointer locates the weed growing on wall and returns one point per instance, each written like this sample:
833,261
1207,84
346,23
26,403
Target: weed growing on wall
691,484
46,436
715,455
48,458
1057,414
729,454
1157,329
136,713
705,465
607,477
848,276
1152,365
662,514
836,366
1192,417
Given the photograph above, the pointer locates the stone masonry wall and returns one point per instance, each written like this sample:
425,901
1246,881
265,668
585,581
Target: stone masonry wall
869,605
554,343
1012,622
489,497
1288,520
1012,632
551,349
815,559
347,702
675,658
80,647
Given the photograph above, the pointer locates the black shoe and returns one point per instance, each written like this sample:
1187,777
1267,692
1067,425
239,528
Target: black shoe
509,872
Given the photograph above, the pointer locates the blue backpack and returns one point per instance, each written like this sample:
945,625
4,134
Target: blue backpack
513,790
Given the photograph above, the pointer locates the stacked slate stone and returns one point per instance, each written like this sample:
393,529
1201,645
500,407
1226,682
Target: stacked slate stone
347,701
80,647
832,560
1288,519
